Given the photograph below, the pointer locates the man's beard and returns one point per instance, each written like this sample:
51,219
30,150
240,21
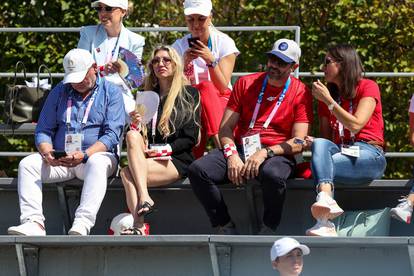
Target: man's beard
276,74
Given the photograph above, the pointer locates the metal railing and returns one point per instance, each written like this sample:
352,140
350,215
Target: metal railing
295,29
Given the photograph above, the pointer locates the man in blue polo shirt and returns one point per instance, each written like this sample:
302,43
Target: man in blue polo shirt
77,136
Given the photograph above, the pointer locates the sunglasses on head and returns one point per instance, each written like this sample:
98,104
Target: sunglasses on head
157,60
107,9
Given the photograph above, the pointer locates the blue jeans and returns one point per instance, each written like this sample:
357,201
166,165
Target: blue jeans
330,166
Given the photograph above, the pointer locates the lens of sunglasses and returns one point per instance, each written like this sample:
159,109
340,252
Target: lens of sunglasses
107,9
279,62
328,61
157,61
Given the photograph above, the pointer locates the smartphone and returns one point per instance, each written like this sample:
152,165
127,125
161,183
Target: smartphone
192,41
298,141
59,154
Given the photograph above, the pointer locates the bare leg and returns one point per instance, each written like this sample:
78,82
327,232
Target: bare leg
325,187
138,167
132,197
411,198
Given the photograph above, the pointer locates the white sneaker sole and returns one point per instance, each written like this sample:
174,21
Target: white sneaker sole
15,233
394,215
325,212
316,234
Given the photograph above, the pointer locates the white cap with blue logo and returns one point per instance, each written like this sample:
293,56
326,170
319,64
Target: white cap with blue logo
287,50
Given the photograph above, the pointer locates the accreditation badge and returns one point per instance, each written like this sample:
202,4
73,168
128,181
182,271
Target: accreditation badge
251,144
73,142
348,150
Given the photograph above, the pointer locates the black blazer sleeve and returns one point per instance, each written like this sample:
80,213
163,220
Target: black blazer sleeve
187,136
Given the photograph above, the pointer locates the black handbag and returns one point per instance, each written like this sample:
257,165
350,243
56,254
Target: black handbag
23,104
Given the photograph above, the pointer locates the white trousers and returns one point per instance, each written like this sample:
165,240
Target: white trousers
33,171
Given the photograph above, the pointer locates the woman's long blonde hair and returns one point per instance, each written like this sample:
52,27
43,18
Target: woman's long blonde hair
179,107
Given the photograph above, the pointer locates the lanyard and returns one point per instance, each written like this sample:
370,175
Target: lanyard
114,49
341,126
275,108
88,108
209,44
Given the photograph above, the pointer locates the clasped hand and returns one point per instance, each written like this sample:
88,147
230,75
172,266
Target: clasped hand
71,160
239,172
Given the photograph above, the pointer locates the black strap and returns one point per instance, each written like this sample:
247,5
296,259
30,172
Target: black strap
16,68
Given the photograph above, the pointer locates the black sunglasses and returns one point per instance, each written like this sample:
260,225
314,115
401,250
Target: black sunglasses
278,61
328,61
107,9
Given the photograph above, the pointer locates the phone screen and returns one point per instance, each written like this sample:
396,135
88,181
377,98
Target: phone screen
59,154
192,40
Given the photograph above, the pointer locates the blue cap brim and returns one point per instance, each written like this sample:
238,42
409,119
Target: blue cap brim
281,56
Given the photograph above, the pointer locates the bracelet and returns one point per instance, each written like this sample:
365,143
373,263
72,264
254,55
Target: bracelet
212,64
229,150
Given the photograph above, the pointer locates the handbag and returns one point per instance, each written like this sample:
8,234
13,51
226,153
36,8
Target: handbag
23,104
364,223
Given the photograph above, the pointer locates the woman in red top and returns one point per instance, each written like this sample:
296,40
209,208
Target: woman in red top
352,128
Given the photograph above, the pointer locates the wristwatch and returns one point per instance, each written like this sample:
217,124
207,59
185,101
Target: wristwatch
85,157
331,106
212,64
270,152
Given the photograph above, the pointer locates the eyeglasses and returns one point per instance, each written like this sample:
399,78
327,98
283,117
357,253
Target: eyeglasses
279,62
157,60
328,61
106,9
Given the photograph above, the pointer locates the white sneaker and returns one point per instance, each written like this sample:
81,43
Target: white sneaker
78,229
29,228
323,229
403,210
325,207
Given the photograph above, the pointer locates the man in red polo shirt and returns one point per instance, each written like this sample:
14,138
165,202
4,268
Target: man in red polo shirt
264,124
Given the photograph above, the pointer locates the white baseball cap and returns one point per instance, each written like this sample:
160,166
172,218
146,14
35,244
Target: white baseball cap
284,245
202,7
287,50
123,4
76,64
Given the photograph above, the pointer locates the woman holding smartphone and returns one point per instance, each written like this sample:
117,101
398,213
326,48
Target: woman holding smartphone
352,127
209,57
104,40
172,134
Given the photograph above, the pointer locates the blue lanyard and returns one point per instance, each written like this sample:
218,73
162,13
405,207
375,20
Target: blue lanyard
116,45
209,44
275,108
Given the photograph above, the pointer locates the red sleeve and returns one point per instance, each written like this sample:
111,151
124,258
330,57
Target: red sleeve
304,109
368,88
236,95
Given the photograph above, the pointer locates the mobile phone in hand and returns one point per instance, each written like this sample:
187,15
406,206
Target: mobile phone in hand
58,154
298,141
192,41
